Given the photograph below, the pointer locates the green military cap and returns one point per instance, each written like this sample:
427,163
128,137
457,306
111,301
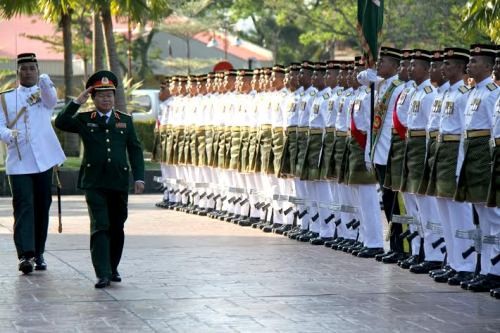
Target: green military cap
420,54
102,80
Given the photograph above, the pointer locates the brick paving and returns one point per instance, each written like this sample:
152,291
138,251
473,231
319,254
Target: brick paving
184,273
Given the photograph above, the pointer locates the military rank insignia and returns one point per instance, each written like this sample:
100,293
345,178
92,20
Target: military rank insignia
121,125
436,106
448,107
428,89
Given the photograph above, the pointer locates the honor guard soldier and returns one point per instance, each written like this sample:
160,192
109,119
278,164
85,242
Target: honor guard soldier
388,88
108,138
453,215
32,151
475,172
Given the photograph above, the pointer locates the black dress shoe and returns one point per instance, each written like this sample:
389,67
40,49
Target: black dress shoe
489,282
333,241
308,236
340,245
465,284
444,276
355,251
412,260
439,271
320,240
101,283
379,257
394,258
370,252
26,265
269,228
495,293
40,264
115,277
282,229
425,266
460,277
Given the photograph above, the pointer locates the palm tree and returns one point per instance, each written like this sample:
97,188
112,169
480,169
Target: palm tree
483,15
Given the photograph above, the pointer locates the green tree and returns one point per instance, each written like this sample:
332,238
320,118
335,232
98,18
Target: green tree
483,16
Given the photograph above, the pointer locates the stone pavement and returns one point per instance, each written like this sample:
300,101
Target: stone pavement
184,273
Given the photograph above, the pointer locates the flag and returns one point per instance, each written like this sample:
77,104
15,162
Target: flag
370,20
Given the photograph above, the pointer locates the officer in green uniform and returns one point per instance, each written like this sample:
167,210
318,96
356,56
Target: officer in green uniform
107,135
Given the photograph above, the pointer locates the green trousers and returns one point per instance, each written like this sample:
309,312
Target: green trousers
108,213
31,199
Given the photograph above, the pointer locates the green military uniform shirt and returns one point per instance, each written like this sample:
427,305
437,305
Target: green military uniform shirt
104,163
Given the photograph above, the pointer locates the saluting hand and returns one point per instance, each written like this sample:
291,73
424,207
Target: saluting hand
84,96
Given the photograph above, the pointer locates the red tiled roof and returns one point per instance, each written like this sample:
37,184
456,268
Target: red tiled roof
27,25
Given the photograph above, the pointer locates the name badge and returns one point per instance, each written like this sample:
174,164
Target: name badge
121,125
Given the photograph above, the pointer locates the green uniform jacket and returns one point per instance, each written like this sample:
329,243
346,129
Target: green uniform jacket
104,164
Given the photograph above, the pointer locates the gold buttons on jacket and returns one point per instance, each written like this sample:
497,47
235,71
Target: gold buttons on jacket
109,160
107,140
109,149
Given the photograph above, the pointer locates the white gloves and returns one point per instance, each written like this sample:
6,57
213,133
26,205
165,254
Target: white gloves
367,76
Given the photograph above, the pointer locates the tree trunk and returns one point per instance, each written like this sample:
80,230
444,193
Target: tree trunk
97,43
71,140
113,61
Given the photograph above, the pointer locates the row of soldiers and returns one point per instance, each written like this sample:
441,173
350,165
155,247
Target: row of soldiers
302,150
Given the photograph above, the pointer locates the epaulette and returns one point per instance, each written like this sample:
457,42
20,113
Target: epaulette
6,91
326,96
428,89
491,86
123,113
463,89
397,82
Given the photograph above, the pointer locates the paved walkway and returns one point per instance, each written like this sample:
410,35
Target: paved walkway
184,273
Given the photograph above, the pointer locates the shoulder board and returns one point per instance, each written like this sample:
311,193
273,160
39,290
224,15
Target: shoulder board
463,89
491,86
397,82
312,93
428,89
414,84
6,91
123,113
326,95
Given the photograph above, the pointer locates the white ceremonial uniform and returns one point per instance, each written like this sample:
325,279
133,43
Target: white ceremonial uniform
38,145
426,208
455,215
479,115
